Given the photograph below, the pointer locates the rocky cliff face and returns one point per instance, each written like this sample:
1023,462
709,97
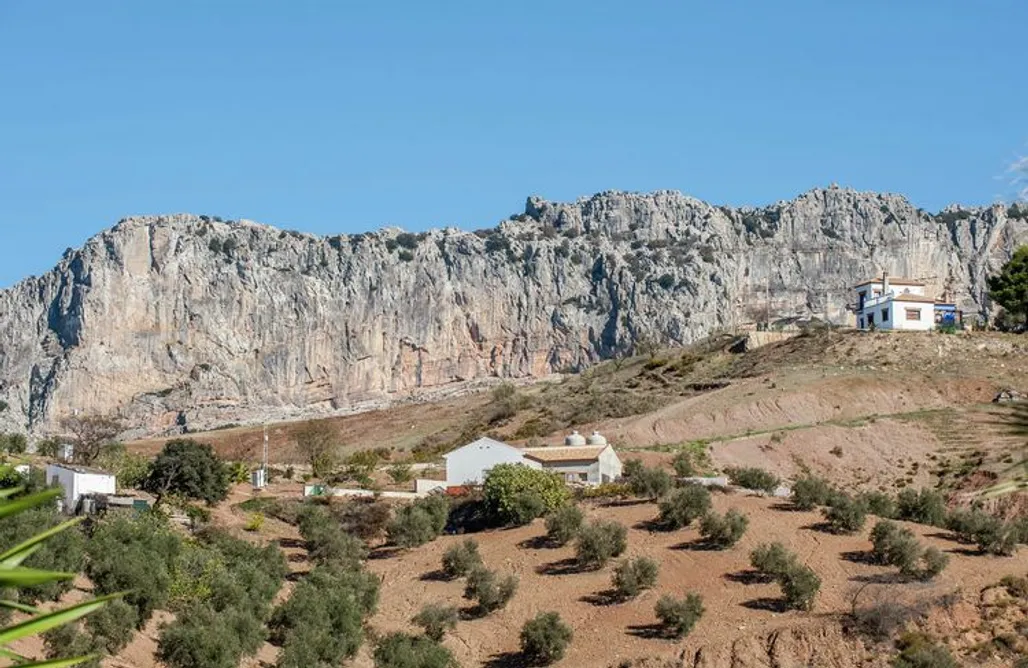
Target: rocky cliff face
186,322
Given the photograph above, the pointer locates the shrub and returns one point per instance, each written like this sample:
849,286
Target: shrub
919,651
650,483
563,524
461,559
632,576
400,650
723,532
134,555
189,469
489,592
62,552
934,562
924,507
255,522
683,465
684,505
772,559
989,533
365,518
679,616
505,483
599,542
845,514
893,545
545,638
203,637
436,620
419,522
401,473
326,540
879,504
321,623
631,467
799,587
753,478
810,492
113,626
525,507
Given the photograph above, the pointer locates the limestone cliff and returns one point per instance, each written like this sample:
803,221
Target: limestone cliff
187,322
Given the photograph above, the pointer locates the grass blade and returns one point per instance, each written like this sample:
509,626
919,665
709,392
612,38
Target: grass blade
9,508
14,557
41,623
57,663
27,577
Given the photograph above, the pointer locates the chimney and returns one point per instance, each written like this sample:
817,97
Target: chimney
885,283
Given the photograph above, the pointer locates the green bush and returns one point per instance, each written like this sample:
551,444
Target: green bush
505,483
65,642
632,576
753,478
631,467
810,492
365,518
401,473
113,626
63,552
12,444
461,559
188,469
401,650
203,637
845,515
772,559
879,504
650,483
991,534
419,522
490,592
934,562
525,507
545,638
683,465
800,586
723,532
679,616
436,620
322,622
924,507
135,555
682,506
326,540
919,651
563,524
599,542
896,546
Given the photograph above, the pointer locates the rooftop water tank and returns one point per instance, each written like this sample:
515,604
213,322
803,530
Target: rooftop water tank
574,439
596,439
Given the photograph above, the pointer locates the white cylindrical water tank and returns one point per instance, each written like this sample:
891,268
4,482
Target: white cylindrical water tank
574,439
596,439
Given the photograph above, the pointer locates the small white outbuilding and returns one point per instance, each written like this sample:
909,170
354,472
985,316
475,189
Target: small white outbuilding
468,464
78,481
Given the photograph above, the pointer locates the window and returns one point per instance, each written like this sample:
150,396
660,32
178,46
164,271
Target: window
583,477
885,314
871,318
913,314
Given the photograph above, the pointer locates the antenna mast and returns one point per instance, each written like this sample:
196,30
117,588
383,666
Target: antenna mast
264,458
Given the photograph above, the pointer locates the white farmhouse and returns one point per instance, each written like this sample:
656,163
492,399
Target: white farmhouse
77,481
589,461
899,303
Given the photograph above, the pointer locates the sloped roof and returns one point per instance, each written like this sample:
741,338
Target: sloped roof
484,441
575,453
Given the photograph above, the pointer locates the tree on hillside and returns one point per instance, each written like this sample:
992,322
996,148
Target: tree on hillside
1009,288
188,468
91,435
319,444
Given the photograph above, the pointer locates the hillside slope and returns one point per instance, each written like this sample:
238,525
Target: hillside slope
183,321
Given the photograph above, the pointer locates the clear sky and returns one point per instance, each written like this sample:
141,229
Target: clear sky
336,116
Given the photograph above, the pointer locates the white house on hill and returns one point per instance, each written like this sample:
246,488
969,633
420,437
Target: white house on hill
589,461
899,303
78,481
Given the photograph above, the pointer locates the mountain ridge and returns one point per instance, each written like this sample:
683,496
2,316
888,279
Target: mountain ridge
188,322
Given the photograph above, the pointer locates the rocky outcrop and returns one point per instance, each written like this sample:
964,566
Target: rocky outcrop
187,322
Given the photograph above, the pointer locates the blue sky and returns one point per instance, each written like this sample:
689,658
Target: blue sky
334,117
